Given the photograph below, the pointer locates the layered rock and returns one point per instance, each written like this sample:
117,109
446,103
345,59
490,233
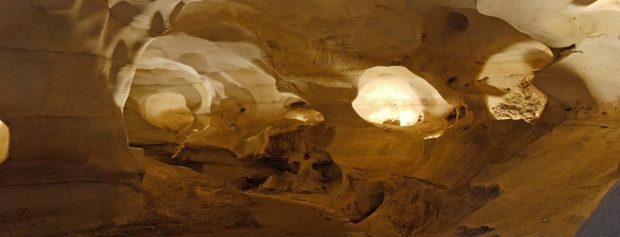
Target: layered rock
65,65
425,118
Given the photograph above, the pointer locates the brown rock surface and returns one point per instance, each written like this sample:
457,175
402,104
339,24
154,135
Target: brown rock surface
309,117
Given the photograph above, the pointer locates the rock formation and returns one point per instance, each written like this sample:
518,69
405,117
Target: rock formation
4,142
368,118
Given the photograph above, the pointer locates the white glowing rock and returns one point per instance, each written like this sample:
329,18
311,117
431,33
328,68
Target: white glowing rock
586,77
396,96
557,23
166,110
222,86
4,142
165,74
304,115
228,63
506,78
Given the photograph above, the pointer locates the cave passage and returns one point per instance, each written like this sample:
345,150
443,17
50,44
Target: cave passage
331,118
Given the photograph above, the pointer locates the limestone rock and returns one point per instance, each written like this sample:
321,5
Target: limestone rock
4,142
401,117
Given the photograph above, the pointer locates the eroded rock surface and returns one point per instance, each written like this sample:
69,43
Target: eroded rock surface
401,118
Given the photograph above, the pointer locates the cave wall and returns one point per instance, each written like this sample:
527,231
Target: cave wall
63,66
526,79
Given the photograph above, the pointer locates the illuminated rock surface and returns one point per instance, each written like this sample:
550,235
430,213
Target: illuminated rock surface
4,142
309,117
395,96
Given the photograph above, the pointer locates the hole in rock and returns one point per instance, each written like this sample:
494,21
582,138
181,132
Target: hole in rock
457,21
583,2
394,96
